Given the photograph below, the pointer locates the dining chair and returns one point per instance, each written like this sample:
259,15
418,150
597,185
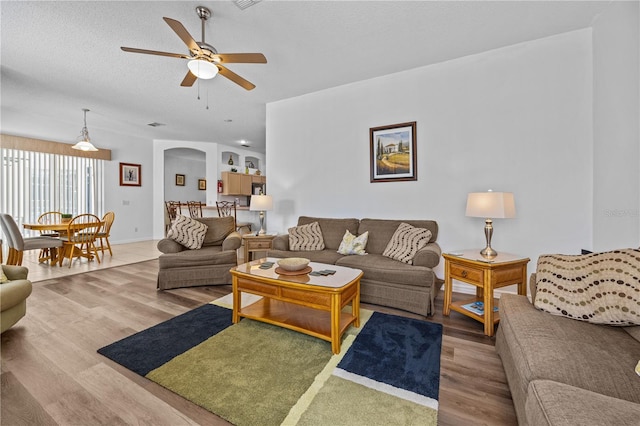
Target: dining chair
172,209
195,208
105,232
19,244
80,238
227,208
48,217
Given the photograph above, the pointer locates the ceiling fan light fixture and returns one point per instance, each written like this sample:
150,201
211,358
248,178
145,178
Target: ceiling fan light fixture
83,142
202,69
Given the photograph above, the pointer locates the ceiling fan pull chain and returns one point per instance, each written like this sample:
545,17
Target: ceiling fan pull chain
198,89
207,97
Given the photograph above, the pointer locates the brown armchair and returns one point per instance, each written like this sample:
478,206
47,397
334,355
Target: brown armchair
208,265
13,295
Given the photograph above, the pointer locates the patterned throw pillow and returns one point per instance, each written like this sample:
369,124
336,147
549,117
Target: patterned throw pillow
600,288
306,238
353,245
406,242
3,277
188,232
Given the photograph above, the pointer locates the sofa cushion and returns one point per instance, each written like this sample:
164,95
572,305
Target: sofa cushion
601,288
381,268
306,237
218,228
406,242
599,358
188,232
206,256
329,257
558,404
3,277
332,229
353,245
381,231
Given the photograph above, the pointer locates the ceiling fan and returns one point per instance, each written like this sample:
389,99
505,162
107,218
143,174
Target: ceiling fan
204,60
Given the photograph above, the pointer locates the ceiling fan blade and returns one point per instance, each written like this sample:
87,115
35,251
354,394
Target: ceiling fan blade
236,78
183,34
154,52
188,80
244,58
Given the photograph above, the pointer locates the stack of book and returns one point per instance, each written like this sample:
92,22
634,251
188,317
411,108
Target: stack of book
477,308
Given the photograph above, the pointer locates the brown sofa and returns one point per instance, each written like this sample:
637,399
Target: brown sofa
385,282
209,265
562,371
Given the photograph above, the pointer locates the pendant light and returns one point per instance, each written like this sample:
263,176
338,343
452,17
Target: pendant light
83,143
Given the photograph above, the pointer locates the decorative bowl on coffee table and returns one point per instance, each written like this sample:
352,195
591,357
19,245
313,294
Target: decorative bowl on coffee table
293,264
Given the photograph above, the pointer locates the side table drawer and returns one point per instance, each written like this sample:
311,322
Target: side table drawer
465,273
259,245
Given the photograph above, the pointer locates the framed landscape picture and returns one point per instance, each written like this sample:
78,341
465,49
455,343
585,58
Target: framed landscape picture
130,174
393,152
179,180
202,184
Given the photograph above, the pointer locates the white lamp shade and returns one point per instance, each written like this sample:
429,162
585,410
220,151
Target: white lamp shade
491,205
84,146
261,203
202,69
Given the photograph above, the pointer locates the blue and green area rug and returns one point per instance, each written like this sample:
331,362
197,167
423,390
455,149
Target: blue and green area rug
251,373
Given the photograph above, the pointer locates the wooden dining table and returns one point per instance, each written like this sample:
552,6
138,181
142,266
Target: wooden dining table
61,228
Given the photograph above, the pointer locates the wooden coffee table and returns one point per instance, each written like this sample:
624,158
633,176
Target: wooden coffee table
308,304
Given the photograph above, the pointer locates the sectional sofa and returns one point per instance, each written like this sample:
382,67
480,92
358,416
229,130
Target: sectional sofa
386,282
565,371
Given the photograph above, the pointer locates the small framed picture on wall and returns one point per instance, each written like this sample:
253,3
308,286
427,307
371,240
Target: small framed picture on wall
202,184
130,174
179,180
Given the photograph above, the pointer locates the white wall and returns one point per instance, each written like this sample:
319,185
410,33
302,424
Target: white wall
616,116
131,204
515,119
192,168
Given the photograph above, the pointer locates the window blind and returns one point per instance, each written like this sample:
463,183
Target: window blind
35,182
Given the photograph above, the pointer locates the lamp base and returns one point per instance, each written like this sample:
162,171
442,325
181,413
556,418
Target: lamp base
488,252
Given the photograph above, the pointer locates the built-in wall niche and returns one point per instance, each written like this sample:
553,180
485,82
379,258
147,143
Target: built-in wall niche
252,162
231,160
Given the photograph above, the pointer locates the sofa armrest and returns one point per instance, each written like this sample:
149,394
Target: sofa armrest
233,241
281,242
428,256
533,287
167,245
15,272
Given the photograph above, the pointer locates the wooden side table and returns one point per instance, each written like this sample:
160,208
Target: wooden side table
470,267
254,243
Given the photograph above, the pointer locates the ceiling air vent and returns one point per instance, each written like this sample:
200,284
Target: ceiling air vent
243,4
154,124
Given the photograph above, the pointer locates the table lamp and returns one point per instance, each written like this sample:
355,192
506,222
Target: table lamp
496,205
261,203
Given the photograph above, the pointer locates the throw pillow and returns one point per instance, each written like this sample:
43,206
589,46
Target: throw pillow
188,232
353,245
306,237
3,277
406,242
600,288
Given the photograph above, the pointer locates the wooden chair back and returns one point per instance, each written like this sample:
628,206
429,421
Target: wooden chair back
107,220
195,208
173,208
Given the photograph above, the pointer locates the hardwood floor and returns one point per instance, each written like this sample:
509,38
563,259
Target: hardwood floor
52,374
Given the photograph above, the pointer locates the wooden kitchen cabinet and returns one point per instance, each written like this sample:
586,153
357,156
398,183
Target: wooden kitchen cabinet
238,183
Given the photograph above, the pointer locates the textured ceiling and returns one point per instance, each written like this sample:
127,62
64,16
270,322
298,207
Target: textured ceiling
59,57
